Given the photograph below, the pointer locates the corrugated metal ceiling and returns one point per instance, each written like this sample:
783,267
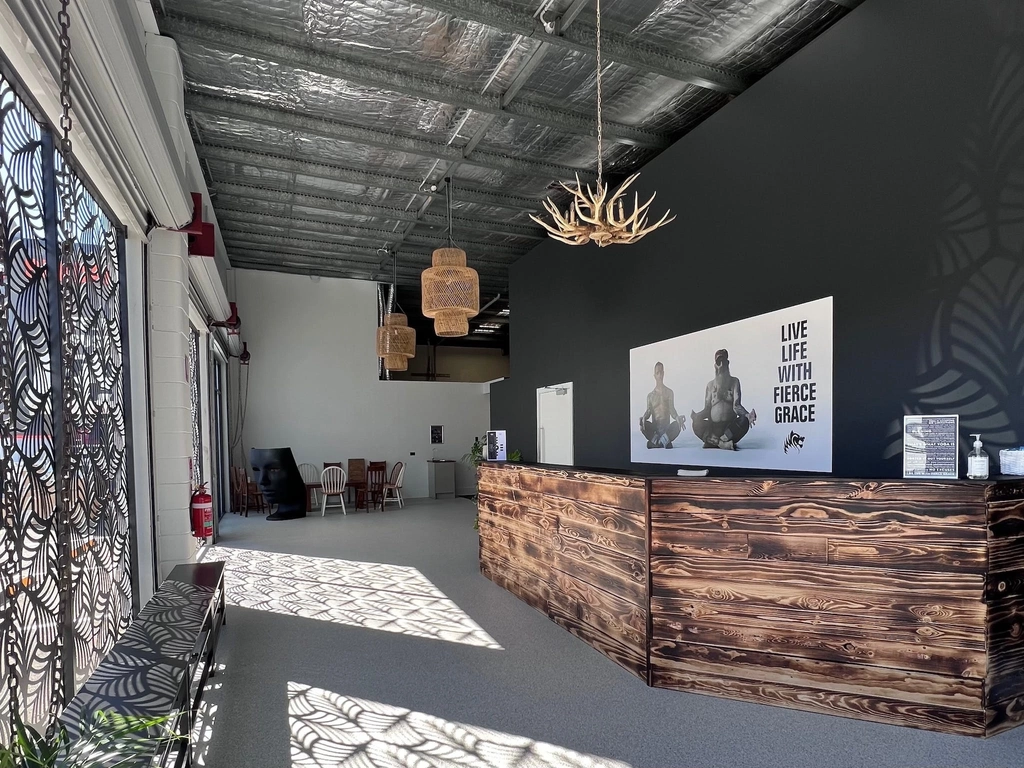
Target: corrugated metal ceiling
327,127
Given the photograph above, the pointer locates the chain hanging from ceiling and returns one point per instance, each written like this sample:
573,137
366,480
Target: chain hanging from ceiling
451,290
599,215
396,341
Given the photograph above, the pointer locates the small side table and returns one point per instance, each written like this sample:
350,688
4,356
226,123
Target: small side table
441,477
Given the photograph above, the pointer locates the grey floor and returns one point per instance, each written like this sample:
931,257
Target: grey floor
542,685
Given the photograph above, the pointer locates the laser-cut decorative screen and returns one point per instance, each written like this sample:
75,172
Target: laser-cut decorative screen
62,610
197,408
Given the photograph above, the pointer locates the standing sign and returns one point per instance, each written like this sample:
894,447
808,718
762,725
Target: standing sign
931,446
756,393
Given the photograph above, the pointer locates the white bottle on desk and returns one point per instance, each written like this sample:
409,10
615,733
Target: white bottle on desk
977,461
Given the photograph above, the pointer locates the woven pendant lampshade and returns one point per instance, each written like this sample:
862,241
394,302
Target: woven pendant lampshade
451,292
396,341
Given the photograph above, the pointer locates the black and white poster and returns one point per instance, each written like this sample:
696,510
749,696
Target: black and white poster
931,446
754,394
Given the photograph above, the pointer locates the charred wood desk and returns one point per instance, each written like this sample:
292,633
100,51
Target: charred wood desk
895,601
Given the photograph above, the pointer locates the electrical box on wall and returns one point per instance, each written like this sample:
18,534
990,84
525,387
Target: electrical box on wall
496,445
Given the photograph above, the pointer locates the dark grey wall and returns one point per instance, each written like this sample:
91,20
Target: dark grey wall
883,165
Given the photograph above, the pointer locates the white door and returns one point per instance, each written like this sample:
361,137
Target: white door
554,424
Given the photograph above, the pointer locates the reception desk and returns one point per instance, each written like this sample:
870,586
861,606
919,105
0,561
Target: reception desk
894,601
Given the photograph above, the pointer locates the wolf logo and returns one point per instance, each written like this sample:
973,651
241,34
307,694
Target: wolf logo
794,441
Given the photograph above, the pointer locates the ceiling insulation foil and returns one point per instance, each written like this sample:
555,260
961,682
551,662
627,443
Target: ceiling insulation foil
282,178
465,52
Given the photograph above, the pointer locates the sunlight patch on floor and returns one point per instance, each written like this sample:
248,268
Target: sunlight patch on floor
381,596
329,730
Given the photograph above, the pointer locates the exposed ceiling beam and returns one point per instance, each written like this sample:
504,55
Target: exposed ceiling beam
581,37
389,76
360,270
229,192
359,177
246,238
333,129
372,236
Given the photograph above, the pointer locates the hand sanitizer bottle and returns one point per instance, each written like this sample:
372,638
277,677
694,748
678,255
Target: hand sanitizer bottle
977,461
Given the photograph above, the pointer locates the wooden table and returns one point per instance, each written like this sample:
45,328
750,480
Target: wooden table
896,601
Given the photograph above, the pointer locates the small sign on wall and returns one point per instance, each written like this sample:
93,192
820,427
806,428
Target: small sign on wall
437,434
931,446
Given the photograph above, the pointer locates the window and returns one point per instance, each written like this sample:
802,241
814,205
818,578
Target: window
195,393
65,539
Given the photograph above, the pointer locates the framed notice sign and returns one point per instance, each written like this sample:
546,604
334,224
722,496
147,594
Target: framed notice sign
931,446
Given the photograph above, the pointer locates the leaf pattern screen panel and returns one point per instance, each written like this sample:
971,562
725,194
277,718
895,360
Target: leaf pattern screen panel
31,630
66,591
99,537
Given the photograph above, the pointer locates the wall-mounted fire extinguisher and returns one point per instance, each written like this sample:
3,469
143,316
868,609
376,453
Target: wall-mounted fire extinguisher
202,513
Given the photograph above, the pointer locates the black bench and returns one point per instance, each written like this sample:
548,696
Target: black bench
160,665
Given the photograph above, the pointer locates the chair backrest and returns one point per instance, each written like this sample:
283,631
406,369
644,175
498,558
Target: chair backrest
357,470
376,474
309,473
396,473
401,475
333,479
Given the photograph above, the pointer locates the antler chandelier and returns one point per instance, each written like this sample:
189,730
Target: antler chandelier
594,215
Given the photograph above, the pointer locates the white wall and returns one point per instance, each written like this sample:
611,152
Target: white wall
313,382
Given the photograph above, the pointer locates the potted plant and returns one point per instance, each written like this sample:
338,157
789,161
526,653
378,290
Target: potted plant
109,741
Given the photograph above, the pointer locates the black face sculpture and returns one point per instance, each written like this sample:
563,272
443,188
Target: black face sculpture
278,478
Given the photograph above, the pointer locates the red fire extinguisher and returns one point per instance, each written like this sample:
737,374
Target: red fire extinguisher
202,513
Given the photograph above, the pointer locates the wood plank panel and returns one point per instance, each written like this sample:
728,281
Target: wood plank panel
855,517
623,521
612,491
602,537
520,554
614,572
621,617
1006,554
945,655
937,586
842,490
881,606
968,722
677,613
1006,518
948,556
1004,715
622,654
726,522
531,590
508,513
858,679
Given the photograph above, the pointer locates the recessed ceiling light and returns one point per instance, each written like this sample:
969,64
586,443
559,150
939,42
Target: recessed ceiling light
494,326
503,313
485,330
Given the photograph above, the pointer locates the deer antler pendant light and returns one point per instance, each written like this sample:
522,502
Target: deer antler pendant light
451,290
396,341
594,215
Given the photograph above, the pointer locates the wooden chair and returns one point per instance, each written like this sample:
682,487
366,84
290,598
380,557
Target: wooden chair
310,475
393,487
356,477
373,489
333,481
246,492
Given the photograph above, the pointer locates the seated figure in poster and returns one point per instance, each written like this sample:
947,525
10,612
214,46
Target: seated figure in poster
724,421
660,423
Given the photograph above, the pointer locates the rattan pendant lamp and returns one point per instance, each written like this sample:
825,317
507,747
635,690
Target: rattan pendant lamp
451,290
396,341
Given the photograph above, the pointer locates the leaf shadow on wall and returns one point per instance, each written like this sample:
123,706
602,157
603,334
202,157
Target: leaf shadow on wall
971,359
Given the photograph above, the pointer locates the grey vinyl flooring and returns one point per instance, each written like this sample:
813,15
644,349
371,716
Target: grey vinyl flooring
543,684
